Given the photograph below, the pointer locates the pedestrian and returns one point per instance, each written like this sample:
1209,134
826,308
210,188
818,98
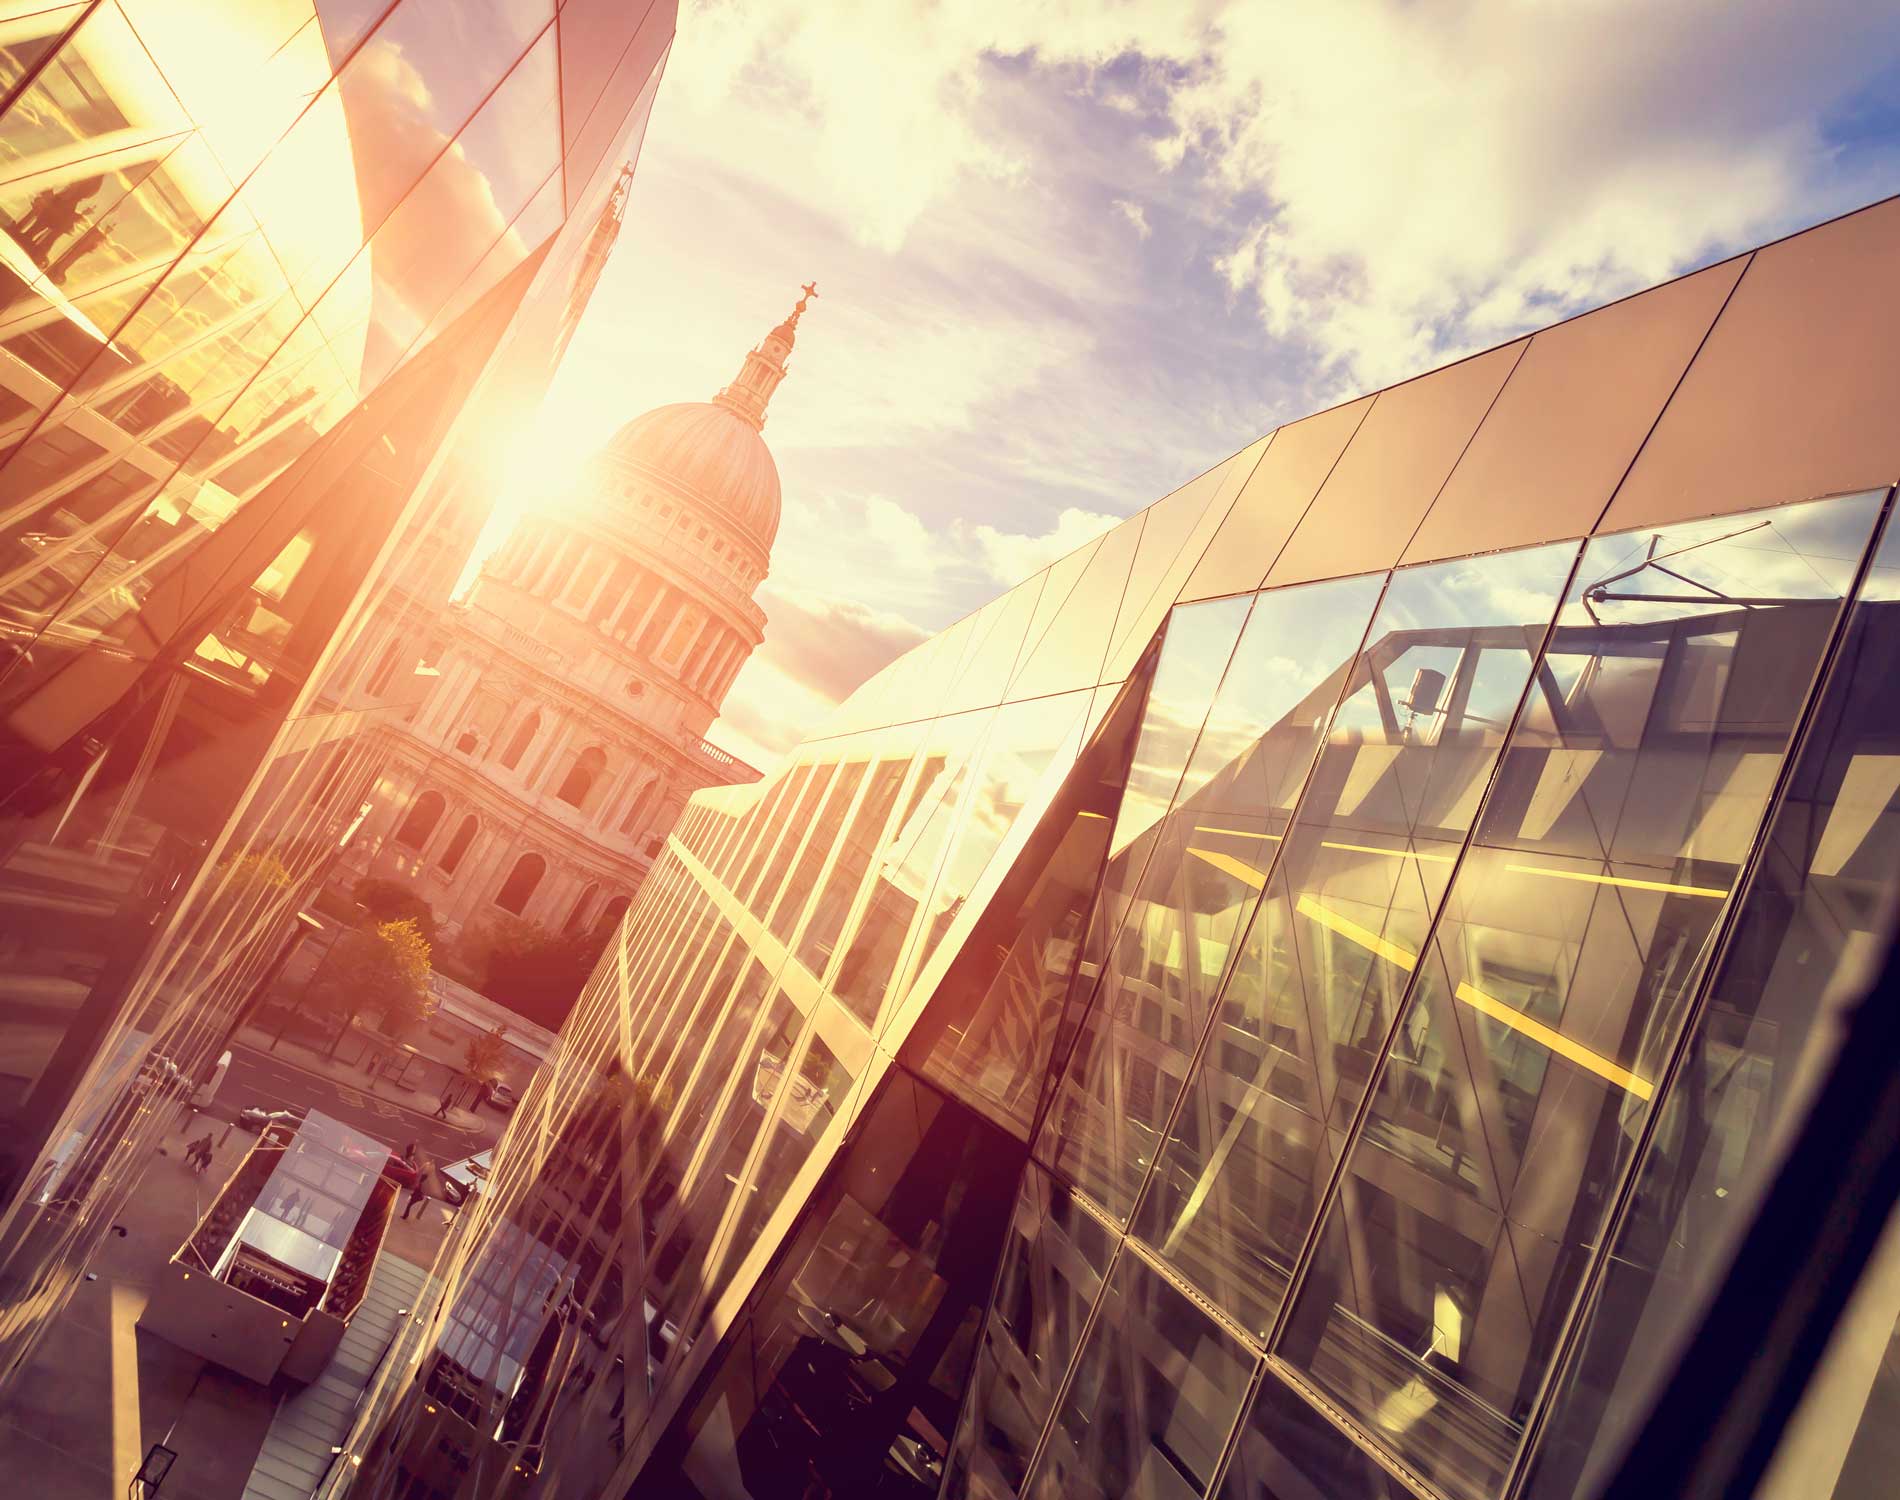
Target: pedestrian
198,1153
409,1153
442,1109
419,1194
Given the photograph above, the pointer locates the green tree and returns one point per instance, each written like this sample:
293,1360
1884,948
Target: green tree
394,901
384,969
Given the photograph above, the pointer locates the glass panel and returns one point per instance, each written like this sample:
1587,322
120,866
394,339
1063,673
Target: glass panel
1053,1265
1810,925
1024,741
1578,927
776,819
1288,1451
1171,543
818,846
994,648
842,1375
907,864
1153,1397
684,1234
841,885
992,1025
1359,876
1066,645
1193,877
419,77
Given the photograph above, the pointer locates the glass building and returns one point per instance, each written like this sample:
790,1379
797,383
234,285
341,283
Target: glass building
1289,1001
272,274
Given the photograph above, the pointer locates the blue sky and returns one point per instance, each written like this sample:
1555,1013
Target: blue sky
1071,254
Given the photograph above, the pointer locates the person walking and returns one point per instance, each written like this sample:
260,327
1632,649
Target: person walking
442,1109
419,1194
198,1153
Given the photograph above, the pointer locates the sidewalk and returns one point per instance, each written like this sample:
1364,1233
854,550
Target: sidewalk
313,1060
99,1390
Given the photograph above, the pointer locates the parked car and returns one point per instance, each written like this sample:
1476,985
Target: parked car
501,1096
461,1179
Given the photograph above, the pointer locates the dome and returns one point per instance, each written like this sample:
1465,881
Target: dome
713,454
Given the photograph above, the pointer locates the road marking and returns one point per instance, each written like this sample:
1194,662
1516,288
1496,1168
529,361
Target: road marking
388,1110
350,1096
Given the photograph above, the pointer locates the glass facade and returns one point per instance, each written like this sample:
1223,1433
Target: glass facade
1289,1000
1180,1032
271,274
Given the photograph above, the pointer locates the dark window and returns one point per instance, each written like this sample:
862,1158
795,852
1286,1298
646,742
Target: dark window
521,882
420,823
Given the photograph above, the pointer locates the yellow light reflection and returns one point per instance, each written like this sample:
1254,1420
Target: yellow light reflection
1715,892
1437,859
1556,1041
1228,865
1237,833
1365,937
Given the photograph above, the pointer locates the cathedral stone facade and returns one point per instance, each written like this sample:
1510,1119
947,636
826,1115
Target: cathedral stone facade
563,728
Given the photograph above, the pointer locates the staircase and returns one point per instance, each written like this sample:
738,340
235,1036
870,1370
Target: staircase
296,1450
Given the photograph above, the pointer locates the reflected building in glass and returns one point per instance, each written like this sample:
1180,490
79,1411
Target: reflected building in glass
271,273
1288,1001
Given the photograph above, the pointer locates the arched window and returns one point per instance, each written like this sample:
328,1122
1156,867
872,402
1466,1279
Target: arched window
458,846
467,742
524,737
639,809
519,886
579,781
611,913
423,816
578,916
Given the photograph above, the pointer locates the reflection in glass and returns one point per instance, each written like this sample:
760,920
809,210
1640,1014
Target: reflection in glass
906,864
1023,742
1053,1265
1359,876
1152,1398
1288,1451
843,1373
1809,925
994,1018
1192,876
1523,1064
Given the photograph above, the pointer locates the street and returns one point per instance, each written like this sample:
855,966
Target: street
263,1078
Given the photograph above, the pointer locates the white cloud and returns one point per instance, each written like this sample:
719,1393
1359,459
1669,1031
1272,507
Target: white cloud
1440,177
1009,557
1136,215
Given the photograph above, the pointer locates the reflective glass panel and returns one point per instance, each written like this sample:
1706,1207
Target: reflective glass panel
1809,925
1288,1451
1067,643
1024,741
1359,876
843,1373
1053,1264
906,865
820,839
1154,1394
1523,1063
833,906
1194,876
993,1020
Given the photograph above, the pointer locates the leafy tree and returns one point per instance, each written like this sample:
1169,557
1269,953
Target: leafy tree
384,969
244,881
481,1057
394,901
536,973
